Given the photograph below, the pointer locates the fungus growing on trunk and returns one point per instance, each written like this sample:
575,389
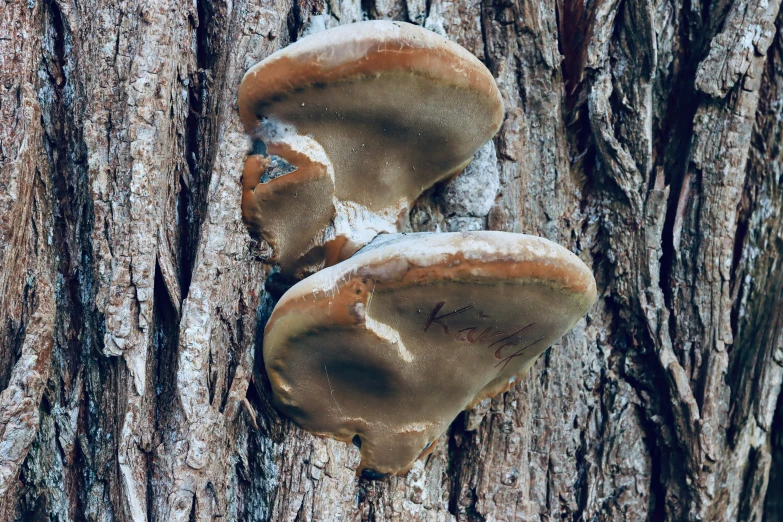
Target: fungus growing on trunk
371,114
386,348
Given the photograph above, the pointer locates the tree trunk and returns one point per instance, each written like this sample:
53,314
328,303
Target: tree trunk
644,136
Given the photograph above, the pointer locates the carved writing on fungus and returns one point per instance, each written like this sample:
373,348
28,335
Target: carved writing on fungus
475,334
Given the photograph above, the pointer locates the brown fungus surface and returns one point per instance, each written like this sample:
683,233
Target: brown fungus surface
390,345
386,108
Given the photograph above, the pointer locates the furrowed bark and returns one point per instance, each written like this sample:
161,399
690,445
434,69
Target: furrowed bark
27,283
643,136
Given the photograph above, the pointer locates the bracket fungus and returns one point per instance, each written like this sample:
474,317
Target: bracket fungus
369,115
386,348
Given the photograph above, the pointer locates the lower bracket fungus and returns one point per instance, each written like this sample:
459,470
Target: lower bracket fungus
386,348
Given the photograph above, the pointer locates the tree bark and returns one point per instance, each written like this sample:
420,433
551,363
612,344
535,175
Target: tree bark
644,136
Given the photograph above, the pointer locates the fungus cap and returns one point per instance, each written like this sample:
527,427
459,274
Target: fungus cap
393,343
387,110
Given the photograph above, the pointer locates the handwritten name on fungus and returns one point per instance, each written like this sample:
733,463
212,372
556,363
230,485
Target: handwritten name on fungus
387,347
369,115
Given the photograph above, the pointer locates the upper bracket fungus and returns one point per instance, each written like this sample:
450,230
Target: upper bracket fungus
369,115
386,348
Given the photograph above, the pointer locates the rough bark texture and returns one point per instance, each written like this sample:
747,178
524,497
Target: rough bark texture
644,136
